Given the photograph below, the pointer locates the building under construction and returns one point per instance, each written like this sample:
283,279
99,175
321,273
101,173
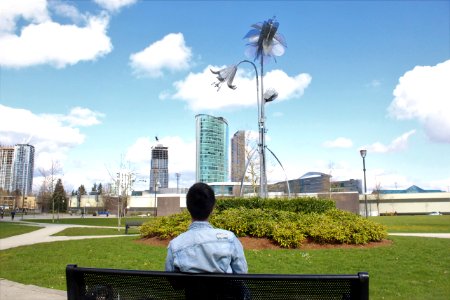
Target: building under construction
159,168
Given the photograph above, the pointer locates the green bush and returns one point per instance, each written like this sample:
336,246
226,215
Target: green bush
287,235
166,227
286,228
300,205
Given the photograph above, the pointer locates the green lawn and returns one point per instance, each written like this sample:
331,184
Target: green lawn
410,268
77,231
432,224
8,229
98,221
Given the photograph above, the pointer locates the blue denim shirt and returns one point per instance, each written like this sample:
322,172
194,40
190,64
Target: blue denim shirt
204,248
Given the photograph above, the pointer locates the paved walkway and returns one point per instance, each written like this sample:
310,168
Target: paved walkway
429,235
10,290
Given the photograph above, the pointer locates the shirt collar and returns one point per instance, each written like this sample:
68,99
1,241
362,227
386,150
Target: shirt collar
200,224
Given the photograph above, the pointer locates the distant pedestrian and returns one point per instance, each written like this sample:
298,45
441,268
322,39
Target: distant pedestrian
13,213
2,213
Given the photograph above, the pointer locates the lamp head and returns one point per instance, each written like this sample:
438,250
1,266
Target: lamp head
270,95
363,153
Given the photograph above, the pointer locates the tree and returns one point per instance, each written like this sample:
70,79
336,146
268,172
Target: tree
46,190
82,190
251,157
377,192
100,189
94,188
59,197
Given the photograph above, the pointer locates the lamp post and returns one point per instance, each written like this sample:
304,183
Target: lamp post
363,153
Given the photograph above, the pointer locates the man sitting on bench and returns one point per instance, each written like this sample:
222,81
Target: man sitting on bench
203,248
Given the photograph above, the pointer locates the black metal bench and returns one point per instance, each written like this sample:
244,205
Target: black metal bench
129,224
105,284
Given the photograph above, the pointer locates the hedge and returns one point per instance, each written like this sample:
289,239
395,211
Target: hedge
299,205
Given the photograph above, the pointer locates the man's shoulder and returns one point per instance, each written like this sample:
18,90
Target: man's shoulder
195,236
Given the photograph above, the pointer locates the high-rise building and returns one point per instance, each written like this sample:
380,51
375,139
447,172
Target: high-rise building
238,156
23,168
159,167
211,149
6,167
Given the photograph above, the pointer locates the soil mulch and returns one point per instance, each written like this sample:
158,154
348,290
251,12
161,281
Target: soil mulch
250,243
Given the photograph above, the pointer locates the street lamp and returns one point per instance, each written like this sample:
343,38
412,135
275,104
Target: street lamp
263,43
363,153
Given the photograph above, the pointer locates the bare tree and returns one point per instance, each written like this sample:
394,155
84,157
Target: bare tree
252,160
49,179
377,192
122,184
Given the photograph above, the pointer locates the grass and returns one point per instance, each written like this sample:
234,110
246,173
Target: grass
395,271
432,224
100,221
77,231
8,229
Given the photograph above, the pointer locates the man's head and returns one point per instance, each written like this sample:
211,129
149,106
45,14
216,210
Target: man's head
200,201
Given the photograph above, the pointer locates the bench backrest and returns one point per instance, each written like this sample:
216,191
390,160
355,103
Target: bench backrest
104,284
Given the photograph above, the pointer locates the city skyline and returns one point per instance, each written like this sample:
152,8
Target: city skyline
90,83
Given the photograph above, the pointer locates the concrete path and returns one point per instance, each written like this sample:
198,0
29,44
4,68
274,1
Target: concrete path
44,235
429,235
10,290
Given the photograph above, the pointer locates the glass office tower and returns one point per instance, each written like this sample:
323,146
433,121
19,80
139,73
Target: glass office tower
211,148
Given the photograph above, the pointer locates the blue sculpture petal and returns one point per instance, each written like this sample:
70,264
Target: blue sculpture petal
264,41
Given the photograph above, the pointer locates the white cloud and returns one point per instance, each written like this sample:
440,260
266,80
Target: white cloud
31,11
398,144
67,11
340,142
170,53
52,135
424,94
199,93
43,41
80,116
114,5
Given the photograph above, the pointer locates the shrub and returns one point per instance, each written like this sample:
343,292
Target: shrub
287,235
166,227
303,205
286,228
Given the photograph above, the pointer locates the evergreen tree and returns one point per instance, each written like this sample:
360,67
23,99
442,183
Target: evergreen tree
100,189
82,190
94,188
59,197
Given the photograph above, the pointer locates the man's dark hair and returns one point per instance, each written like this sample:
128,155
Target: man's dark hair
200,201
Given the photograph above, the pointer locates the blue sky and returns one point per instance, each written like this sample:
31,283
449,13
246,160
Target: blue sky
91,83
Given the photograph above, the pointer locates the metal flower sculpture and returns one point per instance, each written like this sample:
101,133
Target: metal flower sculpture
226,74
264,42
